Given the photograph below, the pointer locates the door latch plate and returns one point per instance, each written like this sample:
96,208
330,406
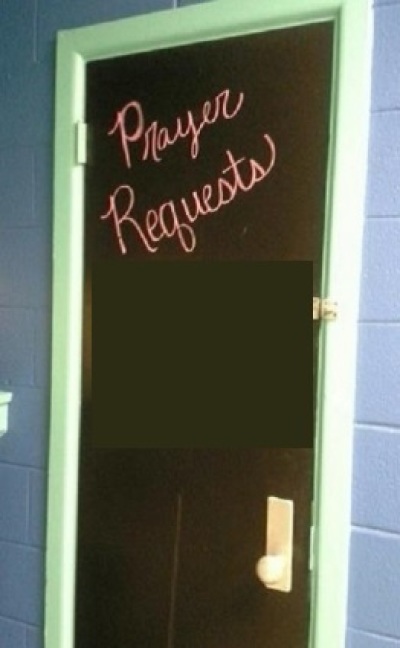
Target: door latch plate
275,568
325,309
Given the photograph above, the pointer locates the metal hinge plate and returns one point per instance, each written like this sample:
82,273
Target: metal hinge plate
324,309
81,137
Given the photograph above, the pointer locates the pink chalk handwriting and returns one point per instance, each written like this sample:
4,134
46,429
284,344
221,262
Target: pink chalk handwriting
153,140
176,217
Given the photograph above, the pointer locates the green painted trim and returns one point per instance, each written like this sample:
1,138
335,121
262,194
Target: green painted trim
341,281
5,398
66,353
347,171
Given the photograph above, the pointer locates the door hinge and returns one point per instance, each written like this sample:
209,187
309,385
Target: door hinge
324,309
81,139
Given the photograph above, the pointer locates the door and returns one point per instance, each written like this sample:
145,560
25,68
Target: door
205,195
169,543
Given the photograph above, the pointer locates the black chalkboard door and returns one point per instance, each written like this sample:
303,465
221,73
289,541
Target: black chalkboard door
205,195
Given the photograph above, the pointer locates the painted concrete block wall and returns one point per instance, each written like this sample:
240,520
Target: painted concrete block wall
374,603
27,38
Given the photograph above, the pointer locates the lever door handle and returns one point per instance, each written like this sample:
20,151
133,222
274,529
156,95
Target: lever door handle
274,569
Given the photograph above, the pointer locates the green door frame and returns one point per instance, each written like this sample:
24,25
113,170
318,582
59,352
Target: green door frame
344,213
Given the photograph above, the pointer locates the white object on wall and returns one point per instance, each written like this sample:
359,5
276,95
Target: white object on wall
5,398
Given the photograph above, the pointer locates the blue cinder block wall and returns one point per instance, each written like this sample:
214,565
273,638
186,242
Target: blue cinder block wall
374,602
27,37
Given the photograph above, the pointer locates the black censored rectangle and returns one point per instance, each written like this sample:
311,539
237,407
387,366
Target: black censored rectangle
202,354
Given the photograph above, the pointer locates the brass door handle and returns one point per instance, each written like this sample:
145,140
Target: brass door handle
274,569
